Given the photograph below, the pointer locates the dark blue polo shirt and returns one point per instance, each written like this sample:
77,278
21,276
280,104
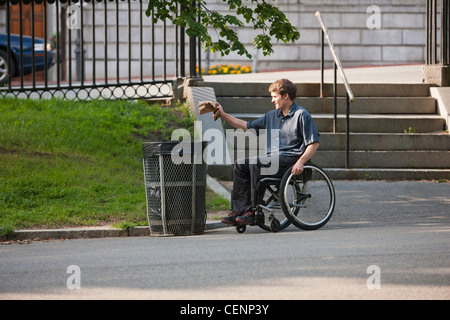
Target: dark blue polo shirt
296,130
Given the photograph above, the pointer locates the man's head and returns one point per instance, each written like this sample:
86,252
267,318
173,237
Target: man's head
284,86
283,93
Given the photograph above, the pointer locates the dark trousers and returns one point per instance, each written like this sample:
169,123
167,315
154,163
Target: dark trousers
248,191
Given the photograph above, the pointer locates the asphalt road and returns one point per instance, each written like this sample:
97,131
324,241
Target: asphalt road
386,240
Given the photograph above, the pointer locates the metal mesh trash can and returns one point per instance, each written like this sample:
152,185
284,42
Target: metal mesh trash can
175,186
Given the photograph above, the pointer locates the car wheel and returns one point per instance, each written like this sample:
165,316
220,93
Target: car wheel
4,70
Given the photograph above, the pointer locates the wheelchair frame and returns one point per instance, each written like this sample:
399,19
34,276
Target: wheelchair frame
306,200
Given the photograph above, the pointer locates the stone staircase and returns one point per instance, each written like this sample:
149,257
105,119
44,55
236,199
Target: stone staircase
396,132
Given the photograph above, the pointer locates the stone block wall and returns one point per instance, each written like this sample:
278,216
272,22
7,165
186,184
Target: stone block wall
400,38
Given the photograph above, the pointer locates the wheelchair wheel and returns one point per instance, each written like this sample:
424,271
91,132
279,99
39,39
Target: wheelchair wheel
241,228
271,201
309,198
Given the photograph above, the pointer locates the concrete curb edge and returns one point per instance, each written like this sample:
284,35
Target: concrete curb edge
89,232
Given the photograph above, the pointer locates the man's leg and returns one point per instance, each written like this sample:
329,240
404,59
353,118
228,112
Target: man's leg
241,193
258,189
246,175
248,191
246,183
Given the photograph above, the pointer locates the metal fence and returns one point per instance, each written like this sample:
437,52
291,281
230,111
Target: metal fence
106,49
438,50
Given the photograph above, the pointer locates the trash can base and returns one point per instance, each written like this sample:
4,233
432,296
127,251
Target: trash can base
175,190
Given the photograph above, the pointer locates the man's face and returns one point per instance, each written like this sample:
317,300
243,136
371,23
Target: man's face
281,101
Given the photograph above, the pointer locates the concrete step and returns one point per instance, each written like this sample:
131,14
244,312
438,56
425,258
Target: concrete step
260,89
380,115
378,123
370,141
432,159
370,123
386,141
383,159
388,174
364,105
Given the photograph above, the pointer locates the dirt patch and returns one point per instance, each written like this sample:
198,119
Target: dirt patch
216,216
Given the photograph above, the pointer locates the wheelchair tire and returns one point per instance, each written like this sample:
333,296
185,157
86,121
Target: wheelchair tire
274,224
308,199
241,228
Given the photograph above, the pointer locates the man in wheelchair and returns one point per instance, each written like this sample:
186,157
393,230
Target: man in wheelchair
298,141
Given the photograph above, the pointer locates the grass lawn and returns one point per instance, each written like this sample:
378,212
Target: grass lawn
70,163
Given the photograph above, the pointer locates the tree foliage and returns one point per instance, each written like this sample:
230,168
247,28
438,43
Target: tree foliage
196,17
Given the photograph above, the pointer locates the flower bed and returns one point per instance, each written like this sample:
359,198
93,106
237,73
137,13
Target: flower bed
227,69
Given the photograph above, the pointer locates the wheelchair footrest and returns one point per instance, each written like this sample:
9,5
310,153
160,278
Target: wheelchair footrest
265,208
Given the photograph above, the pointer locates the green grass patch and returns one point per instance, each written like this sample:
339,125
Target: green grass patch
216,202
70,163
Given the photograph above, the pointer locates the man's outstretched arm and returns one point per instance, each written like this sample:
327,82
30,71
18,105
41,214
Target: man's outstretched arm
233,121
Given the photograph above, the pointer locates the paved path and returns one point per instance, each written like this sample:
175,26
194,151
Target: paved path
401,228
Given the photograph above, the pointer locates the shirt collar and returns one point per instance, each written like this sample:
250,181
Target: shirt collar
290,113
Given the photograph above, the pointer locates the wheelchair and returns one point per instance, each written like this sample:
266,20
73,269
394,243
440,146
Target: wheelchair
307,201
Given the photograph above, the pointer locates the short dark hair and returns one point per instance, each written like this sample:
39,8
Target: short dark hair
284,86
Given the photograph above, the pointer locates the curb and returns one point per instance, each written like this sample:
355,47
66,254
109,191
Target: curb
89,232
104,232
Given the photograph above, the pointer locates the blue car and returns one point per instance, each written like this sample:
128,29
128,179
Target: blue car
27,49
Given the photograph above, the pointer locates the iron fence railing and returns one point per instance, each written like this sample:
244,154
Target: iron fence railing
438,50
89,49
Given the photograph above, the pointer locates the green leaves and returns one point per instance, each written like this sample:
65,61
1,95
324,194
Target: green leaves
199,21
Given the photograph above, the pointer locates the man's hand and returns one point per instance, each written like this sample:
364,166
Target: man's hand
233,121
297,168
219,109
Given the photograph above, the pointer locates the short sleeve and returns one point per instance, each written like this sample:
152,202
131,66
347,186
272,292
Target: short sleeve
310,134
257,124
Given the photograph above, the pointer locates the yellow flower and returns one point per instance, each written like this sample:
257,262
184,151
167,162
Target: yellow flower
228,69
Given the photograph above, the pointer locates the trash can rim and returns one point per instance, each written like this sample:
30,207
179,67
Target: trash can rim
155,148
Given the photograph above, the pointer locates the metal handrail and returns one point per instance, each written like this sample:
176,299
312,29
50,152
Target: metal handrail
335,58
350,96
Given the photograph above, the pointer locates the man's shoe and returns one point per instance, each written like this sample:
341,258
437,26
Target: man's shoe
231,218
247,218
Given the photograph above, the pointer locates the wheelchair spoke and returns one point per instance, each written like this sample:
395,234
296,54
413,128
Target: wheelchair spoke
297,205
309,198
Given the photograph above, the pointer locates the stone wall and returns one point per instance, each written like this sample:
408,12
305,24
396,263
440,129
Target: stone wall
400,38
